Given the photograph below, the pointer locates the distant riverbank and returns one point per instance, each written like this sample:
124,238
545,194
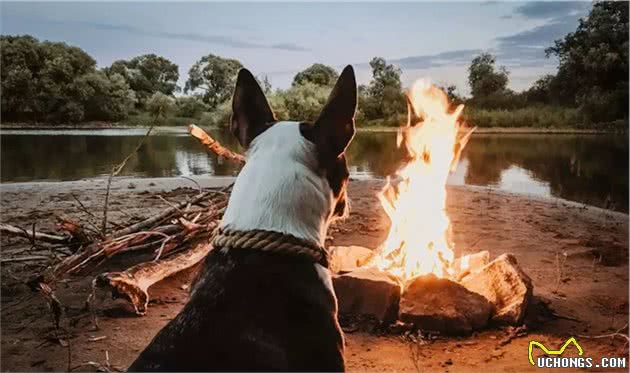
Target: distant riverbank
488,130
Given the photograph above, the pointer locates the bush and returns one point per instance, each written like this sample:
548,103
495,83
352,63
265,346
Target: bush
535,117
160,105
190,107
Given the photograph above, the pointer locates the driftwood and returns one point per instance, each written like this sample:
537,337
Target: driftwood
133,283
213,145
36,236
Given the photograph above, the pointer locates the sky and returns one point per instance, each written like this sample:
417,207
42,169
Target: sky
435,40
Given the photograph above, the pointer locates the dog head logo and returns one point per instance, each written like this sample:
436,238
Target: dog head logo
547,351
296,173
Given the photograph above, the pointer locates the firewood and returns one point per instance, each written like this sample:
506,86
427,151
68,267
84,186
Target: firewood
133,283
38,236
213,145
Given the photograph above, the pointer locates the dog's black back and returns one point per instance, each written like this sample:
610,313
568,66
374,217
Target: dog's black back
251,311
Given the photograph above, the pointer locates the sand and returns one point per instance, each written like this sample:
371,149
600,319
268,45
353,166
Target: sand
588,289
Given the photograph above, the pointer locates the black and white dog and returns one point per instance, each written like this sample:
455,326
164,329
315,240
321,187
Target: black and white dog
257,311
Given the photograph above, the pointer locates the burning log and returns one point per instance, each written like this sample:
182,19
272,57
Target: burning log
467,264
133,284
348,258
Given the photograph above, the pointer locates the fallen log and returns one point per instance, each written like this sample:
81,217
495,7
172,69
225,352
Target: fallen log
213,145
37,236
133,283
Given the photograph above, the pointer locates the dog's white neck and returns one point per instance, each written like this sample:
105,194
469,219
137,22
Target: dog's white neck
279,188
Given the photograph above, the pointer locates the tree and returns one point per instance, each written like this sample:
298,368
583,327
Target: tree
214,77
106,97
190,106
39,79
55,82
147,74
383,97
484,78
541,90
318,74
160,105
593,70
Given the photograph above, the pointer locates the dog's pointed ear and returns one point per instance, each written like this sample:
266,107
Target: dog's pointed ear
251,114
334,128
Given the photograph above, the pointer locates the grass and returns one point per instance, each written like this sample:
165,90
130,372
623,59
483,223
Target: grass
144,120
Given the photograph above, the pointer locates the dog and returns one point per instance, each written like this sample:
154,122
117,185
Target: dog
260,311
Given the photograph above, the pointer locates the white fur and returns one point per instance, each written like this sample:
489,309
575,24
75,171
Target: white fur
279,188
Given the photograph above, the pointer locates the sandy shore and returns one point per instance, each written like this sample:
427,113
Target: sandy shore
589,288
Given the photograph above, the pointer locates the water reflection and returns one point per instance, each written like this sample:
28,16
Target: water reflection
585,168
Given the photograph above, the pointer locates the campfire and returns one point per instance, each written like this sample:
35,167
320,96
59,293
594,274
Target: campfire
412,249
414,275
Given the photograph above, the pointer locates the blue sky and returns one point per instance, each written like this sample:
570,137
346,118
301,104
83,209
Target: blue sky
426,39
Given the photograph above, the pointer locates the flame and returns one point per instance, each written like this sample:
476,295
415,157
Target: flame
418,240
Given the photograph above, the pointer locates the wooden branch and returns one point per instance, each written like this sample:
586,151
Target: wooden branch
115,171
161,231
24,259
159,217
38,236
133,283
213,145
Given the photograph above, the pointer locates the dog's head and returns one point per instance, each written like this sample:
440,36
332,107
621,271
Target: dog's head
295,177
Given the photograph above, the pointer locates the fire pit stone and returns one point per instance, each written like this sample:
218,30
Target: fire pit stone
442,305
368,292
505,285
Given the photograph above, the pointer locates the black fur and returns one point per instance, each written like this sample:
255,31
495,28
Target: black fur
251,311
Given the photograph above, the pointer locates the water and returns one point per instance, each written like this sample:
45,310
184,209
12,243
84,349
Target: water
592,169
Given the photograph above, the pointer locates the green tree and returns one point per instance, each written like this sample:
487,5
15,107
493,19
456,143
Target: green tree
541,90
147,74
50,72
484,78
160,105
55,82
190,106
318,74
214,77
593,70
384,98
106,97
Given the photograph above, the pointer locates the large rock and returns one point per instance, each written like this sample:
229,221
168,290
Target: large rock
505,285
368,292
347,258
437,304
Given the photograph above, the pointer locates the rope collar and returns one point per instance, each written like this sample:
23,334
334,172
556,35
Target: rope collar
270,241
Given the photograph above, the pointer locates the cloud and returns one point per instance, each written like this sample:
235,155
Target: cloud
551,9
227,41
449,58
540,36
527,48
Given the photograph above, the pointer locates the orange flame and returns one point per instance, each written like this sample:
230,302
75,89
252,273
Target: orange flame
418,243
